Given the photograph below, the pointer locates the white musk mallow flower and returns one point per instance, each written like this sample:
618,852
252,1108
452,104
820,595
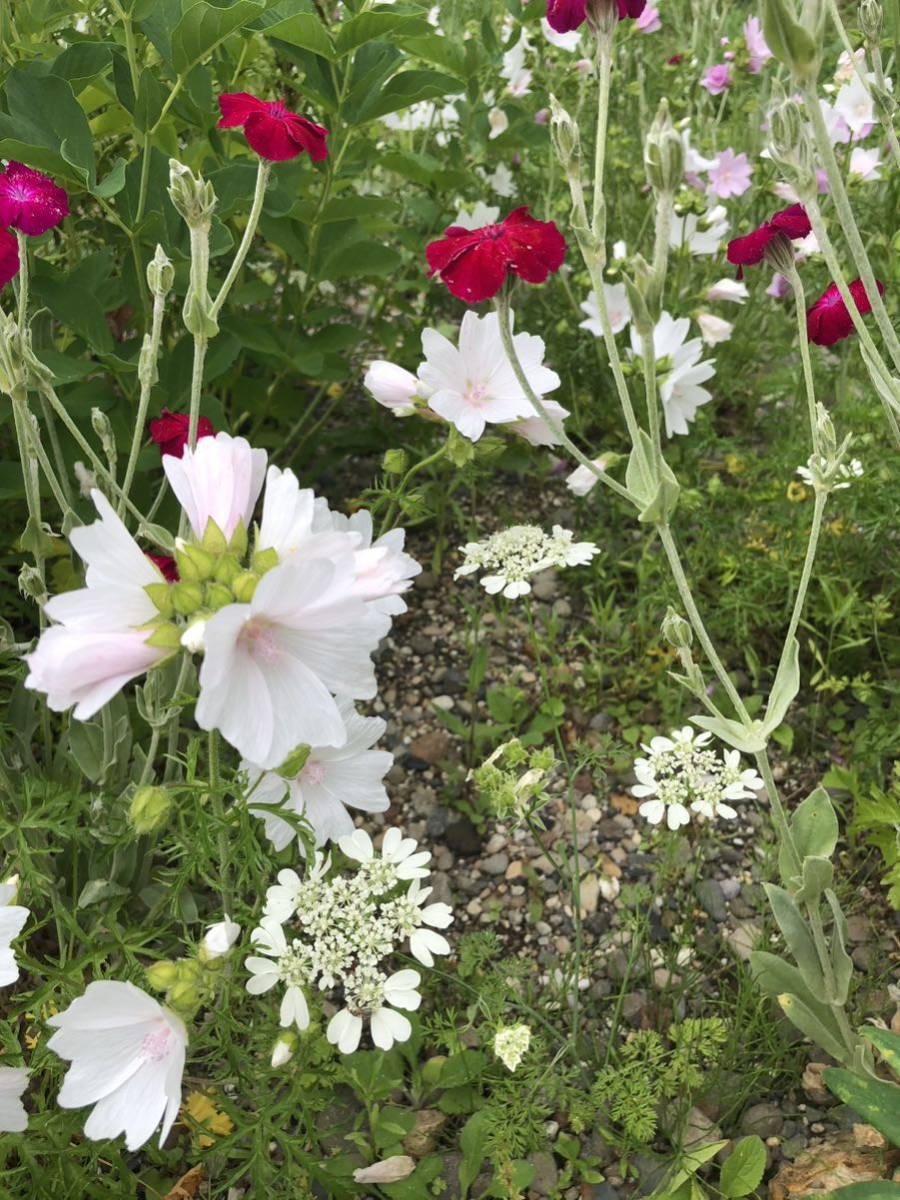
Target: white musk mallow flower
331,779
272,667
220,480
12,919
617,306
99,637
13,1082
127,1054
472,384
392,386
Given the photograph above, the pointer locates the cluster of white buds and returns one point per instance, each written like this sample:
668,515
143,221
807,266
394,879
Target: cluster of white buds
511,1043
681,774
341,933
512,556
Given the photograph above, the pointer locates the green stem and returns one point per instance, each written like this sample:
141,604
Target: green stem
506,336
148,375
388,522
200,345
32,433
259,195
604,71
648,355
215,791
803,338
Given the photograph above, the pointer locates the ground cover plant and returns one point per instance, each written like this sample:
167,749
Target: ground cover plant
449,645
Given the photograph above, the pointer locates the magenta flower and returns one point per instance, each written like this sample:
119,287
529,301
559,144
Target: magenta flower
29,201
717,79
273,132
828,321
566,15
790,223
730,174
757,50
9,257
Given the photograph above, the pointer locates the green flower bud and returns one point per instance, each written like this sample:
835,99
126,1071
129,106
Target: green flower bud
239,541
103,429
160,273
187,597
165,636
32,585
676,630
149,809
197,315
394,462
871,19
789,41
147,369
192,195
195,565
161,975
227,570
244,586
264,560
217,596
664,152
213,539
564,135
295,762
184,998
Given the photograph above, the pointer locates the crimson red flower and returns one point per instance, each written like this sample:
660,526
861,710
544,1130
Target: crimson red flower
170,431
29,201
828,321
9,257
474,263
272,131
790,223
166,565
566,15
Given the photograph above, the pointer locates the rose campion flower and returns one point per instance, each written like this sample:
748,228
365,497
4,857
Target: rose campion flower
219,480
565,15
99,640
29,201
474,384
331,779
828,321
271,130
169,431
717,79
9,257
127,1055
791,223
474,264
730,175
13,1082
758,51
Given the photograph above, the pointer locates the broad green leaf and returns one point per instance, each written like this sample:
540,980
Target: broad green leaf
797,937
777,977
405,89
788,41
814,825
887,1044
750,741
877,1101
743,1169
205,26
304,30
148,104
358,259
441,52
874,1189
807,1022
841,962
691,1162
113,182
473,1144
817,874
82,62
46,128
373,26
784,689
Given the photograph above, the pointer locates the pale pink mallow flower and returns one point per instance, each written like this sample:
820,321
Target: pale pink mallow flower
392,386
648,21
384,571
97,644
617,307
272,667
866,164
127,1054
779,287
332,779
290,523
583,480
717,79
714,329
730,175
13,1082
732,290
220,480
537,431
758,51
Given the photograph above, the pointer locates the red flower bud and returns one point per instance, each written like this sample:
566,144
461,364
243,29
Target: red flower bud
272,131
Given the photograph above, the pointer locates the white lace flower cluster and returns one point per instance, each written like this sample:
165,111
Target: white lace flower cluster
846,473
511,556
340,933
511,1043
682,774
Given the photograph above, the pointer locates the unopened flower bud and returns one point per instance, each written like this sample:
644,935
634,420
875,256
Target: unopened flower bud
227,570
239,540
676,630
165,636
217,596
147,369
184,997
161,598
214,539
295,762
394,462
192,195
825,432
187,597
103,429
160,273
244,586
791,42
871,19
193,638
149,809
664,152
264,560
564,135
283,1050
32,585
787,128
195,564
219,940
161,975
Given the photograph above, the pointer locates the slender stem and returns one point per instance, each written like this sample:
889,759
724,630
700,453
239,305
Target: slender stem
648,354
147,769
886,123
259,195
537,404
148,147
604,70
215,791
35,447
148,376
22,317
848,223
200,345
803,338
414,470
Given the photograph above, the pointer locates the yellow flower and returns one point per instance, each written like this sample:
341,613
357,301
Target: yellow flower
734,464
334,391
202,1111
796,492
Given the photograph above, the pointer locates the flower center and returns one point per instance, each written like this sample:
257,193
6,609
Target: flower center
258,639
313,773
155,1046
278,110
476,394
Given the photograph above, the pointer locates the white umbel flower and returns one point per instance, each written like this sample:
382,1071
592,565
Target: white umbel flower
286,962
127,1054
512,556
399,853
511,1044
387,1026
13,1082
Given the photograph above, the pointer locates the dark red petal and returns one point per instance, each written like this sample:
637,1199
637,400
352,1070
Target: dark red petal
270,137
9,257
308,136
236,107
861,296
631,8
30,201
534,249
478,273
792,222
828,321
455,242
749,250
166,565
566,15
170,432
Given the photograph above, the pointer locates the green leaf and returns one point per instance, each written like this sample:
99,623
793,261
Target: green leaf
887,1044
204,26
807,1022
750,741
797,937
473,1144
777,977
355,259
841,962
46,128
405,89
784,689
873,1189
817,874
788,41
306,31
877,1101
743,1169
814,825
148,104
372,26
691,1162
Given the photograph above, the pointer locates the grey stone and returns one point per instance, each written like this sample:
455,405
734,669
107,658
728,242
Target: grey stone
712,899
546,1175
462,836
495,864
650,1173
765,1120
